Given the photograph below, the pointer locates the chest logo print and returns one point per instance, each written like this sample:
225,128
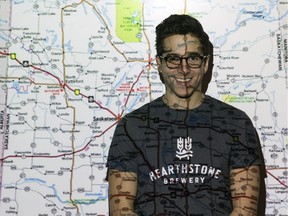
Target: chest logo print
184,147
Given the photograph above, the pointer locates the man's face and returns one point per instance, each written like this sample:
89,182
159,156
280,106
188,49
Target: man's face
182,81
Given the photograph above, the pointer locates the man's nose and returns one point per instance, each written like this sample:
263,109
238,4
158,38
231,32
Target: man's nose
184,67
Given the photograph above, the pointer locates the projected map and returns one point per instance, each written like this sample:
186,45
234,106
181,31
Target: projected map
69,70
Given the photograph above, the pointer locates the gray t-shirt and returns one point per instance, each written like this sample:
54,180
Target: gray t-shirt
183,158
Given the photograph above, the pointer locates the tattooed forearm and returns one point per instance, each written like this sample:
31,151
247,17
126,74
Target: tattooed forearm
245,190
122,192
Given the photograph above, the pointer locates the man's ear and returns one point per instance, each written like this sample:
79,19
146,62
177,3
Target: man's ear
158,61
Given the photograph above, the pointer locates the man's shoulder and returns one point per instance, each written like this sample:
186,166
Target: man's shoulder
220,105
220,108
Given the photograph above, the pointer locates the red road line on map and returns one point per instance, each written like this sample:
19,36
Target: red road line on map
277,179
138,77
59,81
85,96
61,155
63,86
34,67
149,48
4,53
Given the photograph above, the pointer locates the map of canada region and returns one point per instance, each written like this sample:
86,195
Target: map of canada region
71,69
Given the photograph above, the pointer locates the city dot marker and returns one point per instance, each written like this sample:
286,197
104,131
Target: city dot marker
77,91
13,56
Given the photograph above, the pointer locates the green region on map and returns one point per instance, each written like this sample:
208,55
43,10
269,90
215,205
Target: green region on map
238,99
128,20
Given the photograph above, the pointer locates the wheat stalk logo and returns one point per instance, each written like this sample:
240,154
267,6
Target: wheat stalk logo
184,147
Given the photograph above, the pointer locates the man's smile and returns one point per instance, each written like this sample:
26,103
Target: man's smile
183,80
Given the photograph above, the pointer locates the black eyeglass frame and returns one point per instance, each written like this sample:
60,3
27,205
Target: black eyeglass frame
181,58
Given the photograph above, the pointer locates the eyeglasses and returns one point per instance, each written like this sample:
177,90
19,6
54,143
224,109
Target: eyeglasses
174,61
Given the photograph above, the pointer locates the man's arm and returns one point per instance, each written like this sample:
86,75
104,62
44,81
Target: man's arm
245,184
122,192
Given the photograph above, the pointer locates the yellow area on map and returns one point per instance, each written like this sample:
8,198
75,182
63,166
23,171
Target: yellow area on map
237,99
77,91
13,56
128,20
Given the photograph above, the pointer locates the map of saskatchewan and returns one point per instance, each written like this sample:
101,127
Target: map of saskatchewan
69,70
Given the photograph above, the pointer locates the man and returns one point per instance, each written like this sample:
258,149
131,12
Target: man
184,153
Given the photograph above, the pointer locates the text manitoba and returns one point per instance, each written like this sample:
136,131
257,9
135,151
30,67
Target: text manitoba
184,169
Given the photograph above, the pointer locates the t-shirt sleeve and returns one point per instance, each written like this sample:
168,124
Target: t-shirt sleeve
245,150
123,151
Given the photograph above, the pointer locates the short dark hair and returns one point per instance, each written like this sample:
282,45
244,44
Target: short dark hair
181,24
